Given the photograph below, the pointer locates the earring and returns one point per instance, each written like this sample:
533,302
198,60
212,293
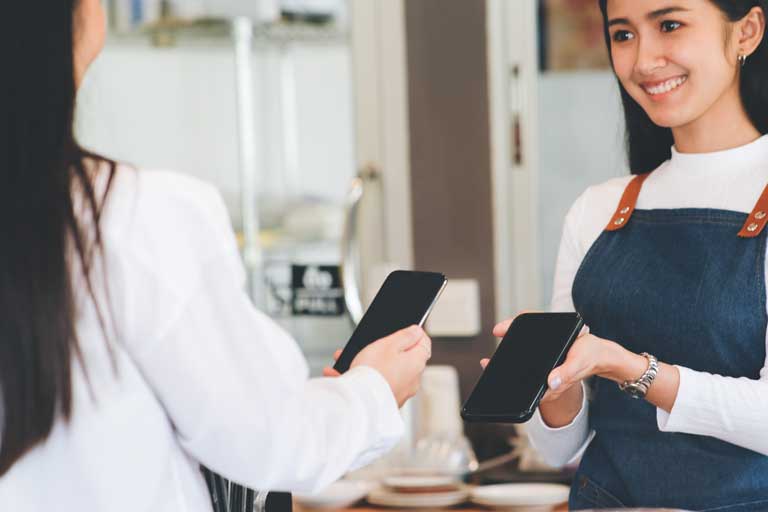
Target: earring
742,59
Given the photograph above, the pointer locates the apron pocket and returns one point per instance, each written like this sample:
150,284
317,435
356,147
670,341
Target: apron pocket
752,506
594,495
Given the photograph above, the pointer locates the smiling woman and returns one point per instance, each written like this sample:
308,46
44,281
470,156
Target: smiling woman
717,44
668,270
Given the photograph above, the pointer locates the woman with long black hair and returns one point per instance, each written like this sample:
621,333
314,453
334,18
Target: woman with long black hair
667,267
129,352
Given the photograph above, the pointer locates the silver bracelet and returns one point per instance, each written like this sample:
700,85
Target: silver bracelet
639,388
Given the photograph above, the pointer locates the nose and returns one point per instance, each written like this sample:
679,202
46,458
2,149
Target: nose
650,56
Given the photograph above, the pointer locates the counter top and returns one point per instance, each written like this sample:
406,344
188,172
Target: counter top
368,508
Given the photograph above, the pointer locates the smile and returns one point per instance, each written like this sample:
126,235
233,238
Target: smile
664,87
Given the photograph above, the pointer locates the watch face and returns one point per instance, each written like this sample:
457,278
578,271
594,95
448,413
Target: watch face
635,390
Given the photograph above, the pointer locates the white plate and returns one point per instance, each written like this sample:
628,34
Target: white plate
524,508
420,482
341,494
389,498
520,495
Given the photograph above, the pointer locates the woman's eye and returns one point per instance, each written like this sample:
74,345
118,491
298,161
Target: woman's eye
622,35
669,26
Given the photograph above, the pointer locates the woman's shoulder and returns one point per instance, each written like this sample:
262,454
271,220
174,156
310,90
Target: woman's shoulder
157,195
161,189
592,210
600,201
162,211
609,190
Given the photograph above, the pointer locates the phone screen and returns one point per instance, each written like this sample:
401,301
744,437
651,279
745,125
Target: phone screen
516,376
405,299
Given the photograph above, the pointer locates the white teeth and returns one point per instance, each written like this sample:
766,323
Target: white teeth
666,86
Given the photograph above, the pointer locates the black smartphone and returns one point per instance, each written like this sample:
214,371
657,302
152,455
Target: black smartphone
510,388
405,299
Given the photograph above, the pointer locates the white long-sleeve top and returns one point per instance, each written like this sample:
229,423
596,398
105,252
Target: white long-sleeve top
734,410
200,376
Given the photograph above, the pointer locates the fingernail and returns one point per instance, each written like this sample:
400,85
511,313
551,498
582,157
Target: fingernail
555,383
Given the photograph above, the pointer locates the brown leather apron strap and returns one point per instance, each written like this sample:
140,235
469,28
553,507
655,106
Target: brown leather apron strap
753,226
756,221
627,204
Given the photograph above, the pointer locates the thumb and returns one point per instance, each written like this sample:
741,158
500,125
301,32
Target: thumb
560,376
408,338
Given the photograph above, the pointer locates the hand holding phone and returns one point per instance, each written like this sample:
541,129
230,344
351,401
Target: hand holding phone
405,299
515,379
400,358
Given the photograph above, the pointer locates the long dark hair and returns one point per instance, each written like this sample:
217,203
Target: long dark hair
648,145
44,238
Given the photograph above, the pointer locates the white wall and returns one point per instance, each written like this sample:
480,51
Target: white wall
581,135
174,108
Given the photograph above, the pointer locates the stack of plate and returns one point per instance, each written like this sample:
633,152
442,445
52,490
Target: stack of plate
419,492
521,497
341,494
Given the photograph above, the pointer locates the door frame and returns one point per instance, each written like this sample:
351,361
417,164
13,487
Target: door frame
513,76
380,75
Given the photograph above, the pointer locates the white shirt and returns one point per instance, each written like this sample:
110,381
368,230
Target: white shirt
734,410
201,376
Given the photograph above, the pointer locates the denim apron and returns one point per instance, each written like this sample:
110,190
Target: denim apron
688,286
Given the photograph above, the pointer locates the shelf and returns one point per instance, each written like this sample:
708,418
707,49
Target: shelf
271,240
172,32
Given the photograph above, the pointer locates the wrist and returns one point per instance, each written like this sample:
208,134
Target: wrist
624,365
562,411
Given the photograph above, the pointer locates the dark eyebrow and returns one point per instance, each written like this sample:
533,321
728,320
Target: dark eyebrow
650,16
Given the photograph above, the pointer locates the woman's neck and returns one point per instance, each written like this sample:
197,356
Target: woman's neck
725,125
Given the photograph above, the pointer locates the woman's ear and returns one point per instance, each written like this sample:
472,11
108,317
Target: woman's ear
750,31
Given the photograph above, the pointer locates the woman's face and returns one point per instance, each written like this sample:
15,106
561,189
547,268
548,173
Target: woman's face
678,59
90,32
